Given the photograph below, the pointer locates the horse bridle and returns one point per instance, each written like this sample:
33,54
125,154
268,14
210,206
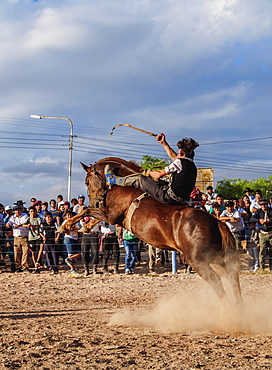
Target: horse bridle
102,198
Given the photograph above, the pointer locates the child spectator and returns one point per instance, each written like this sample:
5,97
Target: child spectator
74,202
62,212
71,244
216,210
59,199
49,228
54,211
44,209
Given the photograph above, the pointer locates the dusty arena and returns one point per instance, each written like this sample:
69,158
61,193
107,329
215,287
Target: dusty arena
138,321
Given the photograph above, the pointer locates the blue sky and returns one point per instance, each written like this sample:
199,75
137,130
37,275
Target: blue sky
200,69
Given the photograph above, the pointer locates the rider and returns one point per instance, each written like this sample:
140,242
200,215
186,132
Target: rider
182,173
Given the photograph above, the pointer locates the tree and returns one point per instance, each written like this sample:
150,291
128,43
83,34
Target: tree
152,163
231,189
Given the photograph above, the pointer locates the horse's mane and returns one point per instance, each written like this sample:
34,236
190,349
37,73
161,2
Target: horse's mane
129,164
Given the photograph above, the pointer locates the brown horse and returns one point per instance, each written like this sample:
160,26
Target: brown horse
207,244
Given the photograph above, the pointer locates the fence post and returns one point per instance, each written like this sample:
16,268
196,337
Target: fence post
174,262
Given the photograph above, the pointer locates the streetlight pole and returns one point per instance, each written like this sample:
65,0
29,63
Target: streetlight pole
70,148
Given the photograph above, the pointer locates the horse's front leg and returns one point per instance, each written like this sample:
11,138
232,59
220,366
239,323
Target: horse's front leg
67,226
100,214
88,226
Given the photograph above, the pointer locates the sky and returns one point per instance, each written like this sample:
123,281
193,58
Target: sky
199,68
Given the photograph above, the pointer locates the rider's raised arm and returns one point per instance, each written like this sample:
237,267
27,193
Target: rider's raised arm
171,153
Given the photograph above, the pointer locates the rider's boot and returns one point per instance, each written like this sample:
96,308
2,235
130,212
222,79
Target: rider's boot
111,179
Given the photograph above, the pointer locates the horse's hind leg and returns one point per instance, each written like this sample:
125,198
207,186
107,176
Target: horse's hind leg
212,278
232,273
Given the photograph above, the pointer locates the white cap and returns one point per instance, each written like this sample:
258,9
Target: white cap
7,208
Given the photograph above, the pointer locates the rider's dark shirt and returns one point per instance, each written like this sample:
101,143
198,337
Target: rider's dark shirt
182,183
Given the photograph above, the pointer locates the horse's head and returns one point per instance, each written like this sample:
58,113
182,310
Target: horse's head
95,179
95,182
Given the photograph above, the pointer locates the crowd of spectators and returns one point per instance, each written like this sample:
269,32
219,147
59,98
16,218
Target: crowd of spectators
30,238
32,234
249,219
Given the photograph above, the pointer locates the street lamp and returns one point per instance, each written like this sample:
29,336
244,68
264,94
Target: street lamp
70,148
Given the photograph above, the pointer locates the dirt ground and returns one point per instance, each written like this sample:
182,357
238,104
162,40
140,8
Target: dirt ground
136,322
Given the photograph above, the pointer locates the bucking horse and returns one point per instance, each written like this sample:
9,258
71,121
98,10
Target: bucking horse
206,243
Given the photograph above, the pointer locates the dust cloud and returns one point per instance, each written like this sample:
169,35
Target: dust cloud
201,312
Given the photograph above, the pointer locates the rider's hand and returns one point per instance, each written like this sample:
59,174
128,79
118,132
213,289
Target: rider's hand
160,138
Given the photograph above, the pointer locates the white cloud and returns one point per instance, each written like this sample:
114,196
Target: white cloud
199,66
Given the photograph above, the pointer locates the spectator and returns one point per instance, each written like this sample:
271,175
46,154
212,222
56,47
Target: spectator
110,244
62,211
71,244
73,202
252,247
248,192
80,204
255,204
233,220
33,222
54,210
44,209
67,206
259,192
10,247
32,201
220,201
2,233
49,228
130,242
263,216
216,210
20,203
20,239
38,206
90,243
59,199
270,202
242,213
154,255
211,198
247,216
8,212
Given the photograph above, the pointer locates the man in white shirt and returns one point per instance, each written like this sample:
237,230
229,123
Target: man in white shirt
20,234
234,221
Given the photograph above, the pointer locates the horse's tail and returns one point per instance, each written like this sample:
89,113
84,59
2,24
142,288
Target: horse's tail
228,241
